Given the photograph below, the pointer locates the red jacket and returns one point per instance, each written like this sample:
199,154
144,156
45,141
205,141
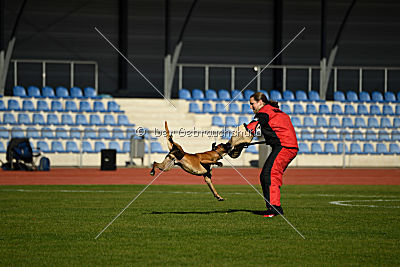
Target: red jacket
275,125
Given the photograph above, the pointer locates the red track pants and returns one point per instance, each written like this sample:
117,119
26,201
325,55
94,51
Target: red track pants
272,172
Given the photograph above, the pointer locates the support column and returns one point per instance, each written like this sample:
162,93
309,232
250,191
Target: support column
277,46
123,44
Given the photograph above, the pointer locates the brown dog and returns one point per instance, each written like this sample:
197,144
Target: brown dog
197,164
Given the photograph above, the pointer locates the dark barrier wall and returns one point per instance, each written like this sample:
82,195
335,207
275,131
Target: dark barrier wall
220,31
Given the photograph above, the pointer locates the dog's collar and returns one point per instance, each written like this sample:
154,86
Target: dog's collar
219,154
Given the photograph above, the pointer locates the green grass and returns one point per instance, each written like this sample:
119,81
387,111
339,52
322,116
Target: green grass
163,227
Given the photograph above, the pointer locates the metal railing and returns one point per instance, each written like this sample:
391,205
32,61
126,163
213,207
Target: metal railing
45,63
309,69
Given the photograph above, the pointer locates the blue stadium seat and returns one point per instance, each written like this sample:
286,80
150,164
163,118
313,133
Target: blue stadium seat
396,123
76,92
387,110
286,108
319,135
349,110
383,135
70,105
251,150
104,133
230,121
98,106
109,120
334,122
339,96
56,106
311,109
365,97
394,149
43,147
114,145
275,95
48,92
90,92
371,136
71,147
184,94
52,119
303,148
194,108
321,122
337,109
87,147
301,95
66,119
130,133
296,122
27,105
368,149
8,118
246,109
89,133
38,119
351,96
80,119
247,94
211,95
217,121
298,109
340,148
305,135
308,122
117,133
348,136
2,148
4,133
84,106
197,94
355,149
155,147
17,132
112,106
324,109
390,97
360,123
397,112
34,91
13,105
357,135
98,146
2,106
243,119
316,149
314,96
208,108
234,108
374,110
32,132
23,118
94,119
126,147
347,122
74,133
395,135
19,91
123,120
57,147
61,133
224,95
220,108
238,96
373,123
377,96
288,95
385,123
329,148
62,92
46,132
362,109
382,149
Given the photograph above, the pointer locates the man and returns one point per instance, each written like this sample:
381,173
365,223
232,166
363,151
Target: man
279,133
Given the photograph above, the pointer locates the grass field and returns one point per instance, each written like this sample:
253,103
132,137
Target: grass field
185,225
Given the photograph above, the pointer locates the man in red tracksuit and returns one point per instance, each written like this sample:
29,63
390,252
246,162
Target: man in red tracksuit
279,133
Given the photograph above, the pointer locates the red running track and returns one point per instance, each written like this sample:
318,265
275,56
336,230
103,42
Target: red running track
220,176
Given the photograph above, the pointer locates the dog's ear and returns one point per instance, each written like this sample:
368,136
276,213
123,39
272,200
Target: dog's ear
213,146
227,146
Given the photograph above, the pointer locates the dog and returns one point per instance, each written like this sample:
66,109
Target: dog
199,164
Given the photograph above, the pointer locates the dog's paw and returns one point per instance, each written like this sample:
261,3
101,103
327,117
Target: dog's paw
219,164
220,198
152,172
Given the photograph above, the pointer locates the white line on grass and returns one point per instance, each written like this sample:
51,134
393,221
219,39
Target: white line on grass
346,203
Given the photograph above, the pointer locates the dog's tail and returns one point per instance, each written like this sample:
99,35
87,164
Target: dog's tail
174,148
170,142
